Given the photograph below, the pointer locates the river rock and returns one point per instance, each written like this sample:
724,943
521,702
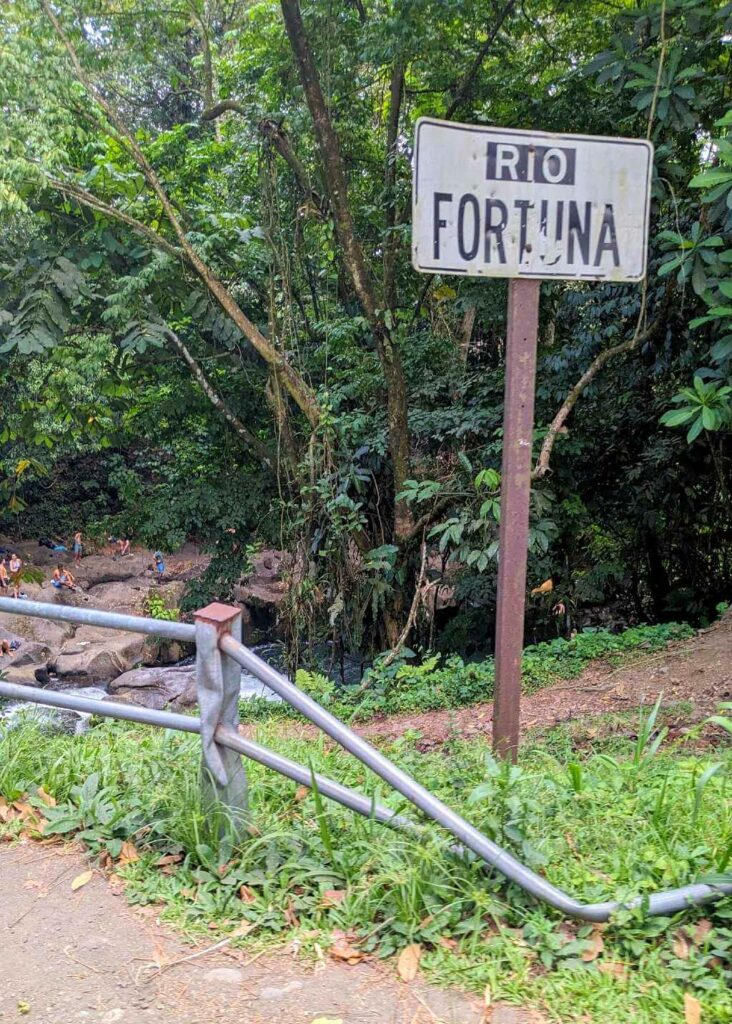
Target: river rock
96,655
25,675
262,593
98,569
126,596
42,631
29,653
156,687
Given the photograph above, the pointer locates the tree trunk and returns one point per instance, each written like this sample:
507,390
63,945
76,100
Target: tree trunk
238,426
354,260
658,581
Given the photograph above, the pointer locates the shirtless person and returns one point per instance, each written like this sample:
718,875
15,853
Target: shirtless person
78,547
4,579
62,578
15,566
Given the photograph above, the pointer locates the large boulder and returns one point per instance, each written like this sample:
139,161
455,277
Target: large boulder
25,675
98,569
29,653
126,596
156,687
97,655
42,631
261,594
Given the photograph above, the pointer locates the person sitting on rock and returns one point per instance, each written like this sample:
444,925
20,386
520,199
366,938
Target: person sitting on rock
124,546
159,564
62,578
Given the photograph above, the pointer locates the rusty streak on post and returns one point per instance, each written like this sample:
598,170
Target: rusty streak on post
518,426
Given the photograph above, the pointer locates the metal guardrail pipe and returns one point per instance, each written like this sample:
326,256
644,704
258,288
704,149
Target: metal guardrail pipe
666,902
184,723
95,617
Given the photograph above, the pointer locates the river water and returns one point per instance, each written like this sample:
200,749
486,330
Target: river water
349,671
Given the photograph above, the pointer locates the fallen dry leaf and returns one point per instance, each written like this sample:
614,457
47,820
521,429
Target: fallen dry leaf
242,929
614,967
408,962
681,945
332,897
169,858
596,945
301,792
702,931
82,879
692,1009
487,997
446,942
290,916
246,894
47,799
343,948
128,854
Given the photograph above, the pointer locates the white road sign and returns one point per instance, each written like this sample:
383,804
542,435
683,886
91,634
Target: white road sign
503,203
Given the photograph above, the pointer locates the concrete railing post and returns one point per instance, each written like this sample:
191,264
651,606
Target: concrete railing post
224,779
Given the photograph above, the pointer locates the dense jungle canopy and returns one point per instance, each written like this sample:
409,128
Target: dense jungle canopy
209,321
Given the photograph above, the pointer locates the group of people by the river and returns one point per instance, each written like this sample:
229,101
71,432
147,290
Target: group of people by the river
11,572
11,564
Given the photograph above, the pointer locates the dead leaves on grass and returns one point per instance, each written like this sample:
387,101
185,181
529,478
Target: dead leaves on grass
686,941
692,1009
344,948
595,945
408,962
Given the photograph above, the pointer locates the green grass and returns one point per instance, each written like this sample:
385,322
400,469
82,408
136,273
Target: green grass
625,819
439,682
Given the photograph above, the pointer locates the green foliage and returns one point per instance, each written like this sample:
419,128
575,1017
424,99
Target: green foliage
134,437
155,607
703,407
451,682
602,840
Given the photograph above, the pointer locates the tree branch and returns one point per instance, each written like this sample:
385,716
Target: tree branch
296,386
238,426
463,86
88,199
222,107
639,338
281,142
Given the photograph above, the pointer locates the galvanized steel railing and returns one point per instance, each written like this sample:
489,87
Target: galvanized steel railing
219,658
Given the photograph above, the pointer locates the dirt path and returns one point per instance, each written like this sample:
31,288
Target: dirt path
698,670
86,957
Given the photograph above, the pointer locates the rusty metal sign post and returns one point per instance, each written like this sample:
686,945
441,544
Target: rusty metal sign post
513,532
526,205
